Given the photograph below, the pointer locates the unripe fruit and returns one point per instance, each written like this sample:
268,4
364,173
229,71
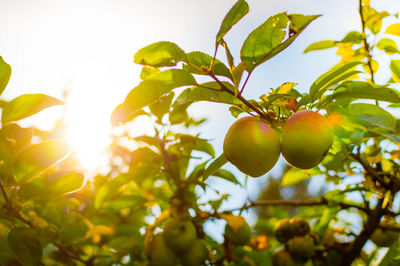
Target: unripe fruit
300,226
196,255
284,230
384,238
306,139
160,254
282,257
252,146
301,247
240,237
179,235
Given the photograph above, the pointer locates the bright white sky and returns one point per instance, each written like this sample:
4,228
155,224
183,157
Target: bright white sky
87,47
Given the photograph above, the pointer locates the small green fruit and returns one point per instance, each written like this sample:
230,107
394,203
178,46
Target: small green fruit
252,146
300,226
196,255
282,257
301,247
306,139
284,230
240,237
384,238
160,254
179,235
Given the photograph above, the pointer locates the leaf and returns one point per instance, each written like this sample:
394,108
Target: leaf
352,37
214,166
179,113
393,29
161,106
27,105
211,94
201,60
225,174
149,90
160,54
373,19
24,242
295,176
395,67
286,87
64,182
37,158
365,90
321,45
373,114
332,74
148,71
109,189
190,142
272,37
238,11
388,45
5,73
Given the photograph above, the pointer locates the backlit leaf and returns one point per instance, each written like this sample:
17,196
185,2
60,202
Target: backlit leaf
234,221
388,45
238,11
272,37
393,29
160,54
203,61
109,189
214,166
321,45
5,73
395,67
295,176
26,105
373,114
64,182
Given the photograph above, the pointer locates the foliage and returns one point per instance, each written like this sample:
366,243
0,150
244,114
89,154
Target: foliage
51,214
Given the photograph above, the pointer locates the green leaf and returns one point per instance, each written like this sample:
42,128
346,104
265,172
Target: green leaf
373,19
161,106
211,94
327,77
202,61
390,256
148,71
214,166
64,182
393,29
160,54
395,67
238,11
110,188
24,242
35,159
352,37
26,105
388,45
124,201
5,73
321,45
392,137
179,113
149,90
373,114
365,90
272,37
225,174
190,142
295,176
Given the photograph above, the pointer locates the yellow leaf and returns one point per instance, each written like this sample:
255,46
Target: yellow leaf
234,221
393,29
345,51
286,87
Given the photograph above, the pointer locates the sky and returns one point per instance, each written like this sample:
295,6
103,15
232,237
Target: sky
87,48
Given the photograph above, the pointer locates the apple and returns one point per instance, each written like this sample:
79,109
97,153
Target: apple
179,234
252,146
160,253
306,139
384,238
301,247
196,255
240,237
282,257
300,226
284,230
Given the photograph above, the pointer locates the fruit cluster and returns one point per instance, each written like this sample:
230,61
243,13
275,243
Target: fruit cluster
299,244
177,243
254,148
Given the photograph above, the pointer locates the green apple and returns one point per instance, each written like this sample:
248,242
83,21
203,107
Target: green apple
306,139
284,230
196,255
300,226
160,254
252,146
241,236
179,234
301,248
